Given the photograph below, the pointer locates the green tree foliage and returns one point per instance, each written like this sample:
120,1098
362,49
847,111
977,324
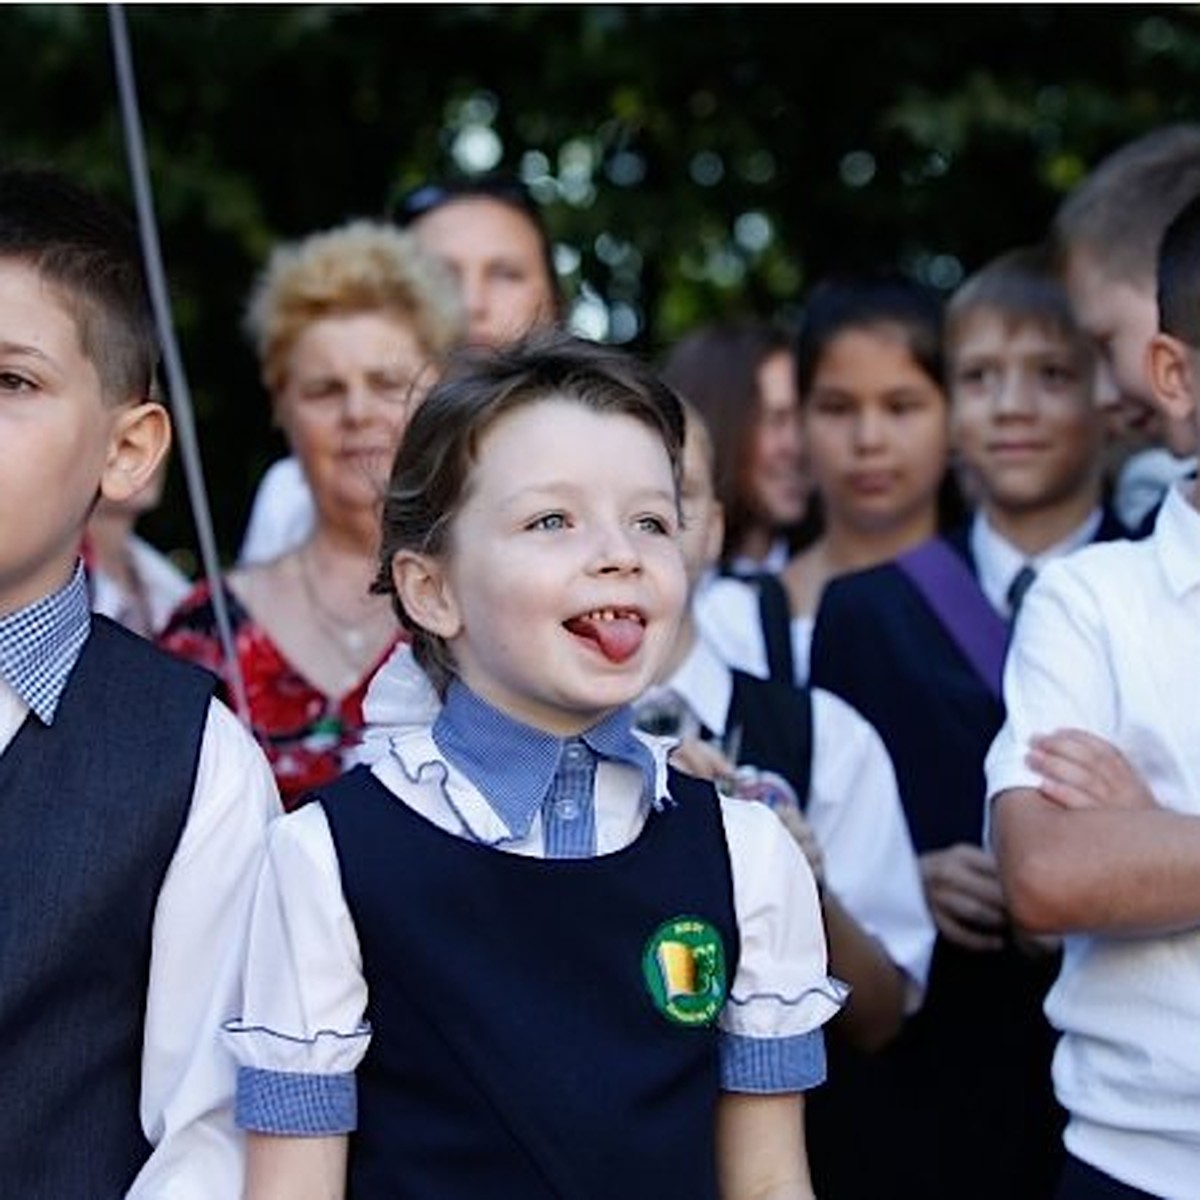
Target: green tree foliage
694,160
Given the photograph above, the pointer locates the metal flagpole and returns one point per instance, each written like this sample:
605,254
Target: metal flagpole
177,387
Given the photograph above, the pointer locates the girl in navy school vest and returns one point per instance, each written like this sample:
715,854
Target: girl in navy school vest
874,415
519,956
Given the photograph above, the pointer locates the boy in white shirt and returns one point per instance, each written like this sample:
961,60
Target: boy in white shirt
1105,649
1106,235
850,822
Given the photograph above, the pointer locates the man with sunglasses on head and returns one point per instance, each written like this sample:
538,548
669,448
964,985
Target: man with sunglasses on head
490,233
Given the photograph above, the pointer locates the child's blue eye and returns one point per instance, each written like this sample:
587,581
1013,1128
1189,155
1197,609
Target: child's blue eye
654,524
548,521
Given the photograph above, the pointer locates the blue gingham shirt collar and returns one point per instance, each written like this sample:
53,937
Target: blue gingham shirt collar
513,765
40,644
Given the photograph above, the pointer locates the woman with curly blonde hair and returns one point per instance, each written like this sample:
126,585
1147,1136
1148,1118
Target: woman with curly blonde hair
349,325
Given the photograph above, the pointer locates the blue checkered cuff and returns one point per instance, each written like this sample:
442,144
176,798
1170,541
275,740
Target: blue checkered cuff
286,1102
766,1066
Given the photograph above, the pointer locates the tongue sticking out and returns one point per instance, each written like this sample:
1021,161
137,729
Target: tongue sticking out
617,636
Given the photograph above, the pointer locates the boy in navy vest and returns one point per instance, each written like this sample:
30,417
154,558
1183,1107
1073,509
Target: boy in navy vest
132,807
960,1103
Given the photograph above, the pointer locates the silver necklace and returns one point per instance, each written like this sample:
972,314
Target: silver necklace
352,638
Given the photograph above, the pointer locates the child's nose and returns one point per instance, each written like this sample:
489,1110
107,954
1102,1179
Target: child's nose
616,551
1015,394
868,428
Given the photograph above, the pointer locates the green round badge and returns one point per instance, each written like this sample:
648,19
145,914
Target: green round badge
684,968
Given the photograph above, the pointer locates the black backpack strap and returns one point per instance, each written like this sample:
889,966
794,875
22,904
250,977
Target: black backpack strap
776,723
803,743
775,613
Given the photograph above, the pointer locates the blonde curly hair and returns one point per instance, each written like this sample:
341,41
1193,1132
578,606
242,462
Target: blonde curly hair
361,266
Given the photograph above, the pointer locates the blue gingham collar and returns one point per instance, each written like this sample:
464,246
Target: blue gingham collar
512,765
40,644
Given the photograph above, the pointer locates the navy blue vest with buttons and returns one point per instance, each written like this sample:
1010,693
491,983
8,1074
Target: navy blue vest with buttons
91,810
517,1053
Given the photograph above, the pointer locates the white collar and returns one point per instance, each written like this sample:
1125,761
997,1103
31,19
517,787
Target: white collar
777,557
1176,538
997,560
705,684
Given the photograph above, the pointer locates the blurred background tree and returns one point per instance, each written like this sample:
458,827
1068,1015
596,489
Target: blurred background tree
694,160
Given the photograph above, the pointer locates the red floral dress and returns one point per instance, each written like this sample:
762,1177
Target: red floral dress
305,733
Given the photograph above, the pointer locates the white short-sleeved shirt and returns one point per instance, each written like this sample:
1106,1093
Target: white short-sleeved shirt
306,995
1108,641
854,809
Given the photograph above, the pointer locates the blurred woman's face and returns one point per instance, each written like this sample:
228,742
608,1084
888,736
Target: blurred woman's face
775,474
496,254
876,431
351,383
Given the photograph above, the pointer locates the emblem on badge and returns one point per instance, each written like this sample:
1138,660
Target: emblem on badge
684,969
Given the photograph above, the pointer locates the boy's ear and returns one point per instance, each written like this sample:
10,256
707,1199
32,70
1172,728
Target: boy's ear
1172,376
421,583
140,439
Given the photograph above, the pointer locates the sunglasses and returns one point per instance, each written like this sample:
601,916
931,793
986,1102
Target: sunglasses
430,196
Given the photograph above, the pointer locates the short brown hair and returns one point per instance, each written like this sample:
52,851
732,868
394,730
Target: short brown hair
1179,277
431,474
361,266
1020,287
1117,214
88,254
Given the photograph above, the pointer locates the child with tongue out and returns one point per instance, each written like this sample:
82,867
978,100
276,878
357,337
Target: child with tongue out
520,956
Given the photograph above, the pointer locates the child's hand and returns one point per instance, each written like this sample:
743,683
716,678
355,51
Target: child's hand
703,760
1080,770
963,892
797,825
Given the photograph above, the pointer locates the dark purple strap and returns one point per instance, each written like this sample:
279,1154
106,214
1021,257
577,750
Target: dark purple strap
948,587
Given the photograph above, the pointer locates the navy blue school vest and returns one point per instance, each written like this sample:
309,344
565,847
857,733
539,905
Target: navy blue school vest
91,810
517,1053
